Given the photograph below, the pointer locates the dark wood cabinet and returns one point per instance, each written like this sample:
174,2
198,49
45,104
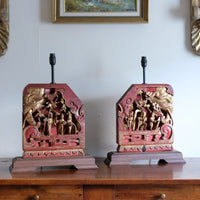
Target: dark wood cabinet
138,182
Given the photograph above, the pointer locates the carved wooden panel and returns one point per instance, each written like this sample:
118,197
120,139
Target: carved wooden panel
144,118
53,121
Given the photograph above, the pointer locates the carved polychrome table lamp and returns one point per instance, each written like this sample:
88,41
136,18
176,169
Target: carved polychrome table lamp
145,124
53,127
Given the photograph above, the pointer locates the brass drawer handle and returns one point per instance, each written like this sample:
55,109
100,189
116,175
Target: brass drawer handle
36,197
163,196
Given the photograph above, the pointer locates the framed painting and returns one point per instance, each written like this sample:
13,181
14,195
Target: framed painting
100,11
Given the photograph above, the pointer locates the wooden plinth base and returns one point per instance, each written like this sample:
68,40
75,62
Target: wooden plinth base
31,164
118,158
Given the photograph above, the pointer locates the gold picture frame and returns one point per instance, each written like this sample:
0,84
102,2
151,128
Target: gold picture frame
4,26
61,14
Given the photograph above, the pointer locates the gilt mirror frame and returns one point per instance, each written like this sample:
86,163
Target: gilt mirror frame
63,14
4,26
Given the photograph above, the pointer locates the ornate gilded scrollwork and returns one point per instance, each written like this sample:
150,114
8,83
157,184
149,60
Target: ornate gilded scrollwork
145,119
48,123
49,113
195,25
4,26
150,111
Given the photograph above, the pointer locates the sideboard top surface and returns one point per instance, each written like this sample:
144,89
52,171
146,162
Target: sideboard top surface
187,173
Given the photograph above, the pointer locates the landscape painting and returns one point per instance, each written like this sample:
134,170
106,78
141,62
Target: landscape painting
100,11
100,5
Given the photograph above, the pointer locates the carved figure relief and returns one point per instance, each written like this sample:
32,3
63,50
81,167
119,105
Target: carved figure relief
50,123
4,26
150,111
145,119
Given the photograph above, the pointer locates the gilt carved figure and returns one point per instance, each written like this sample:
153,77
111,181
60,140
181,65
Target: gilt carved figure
144,117
53,121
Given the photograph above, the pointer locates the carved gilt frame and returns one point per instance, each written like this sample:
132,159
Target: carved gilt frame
60,15
195,25
4,26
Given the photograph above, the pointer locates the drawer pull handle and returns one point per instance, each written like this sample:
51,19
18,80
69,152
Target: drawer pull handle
36,197
163,196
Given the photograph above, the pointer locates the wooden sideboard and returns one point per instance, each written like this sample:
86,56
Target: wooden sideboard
135,182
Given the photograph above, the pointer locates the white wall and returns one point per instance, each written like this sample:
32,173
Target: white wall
99,62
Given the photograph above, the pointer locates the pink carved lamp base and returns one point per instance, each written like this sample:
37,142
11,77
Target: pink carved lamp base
144,119
145,124
53,126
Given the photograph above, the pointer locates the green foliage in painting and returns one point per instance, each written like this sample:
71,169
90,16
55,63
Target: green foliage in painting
100,5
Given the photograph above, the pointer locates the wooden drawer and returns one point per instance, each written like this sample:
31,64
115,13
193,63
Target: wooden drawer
154,192
99,192
41,192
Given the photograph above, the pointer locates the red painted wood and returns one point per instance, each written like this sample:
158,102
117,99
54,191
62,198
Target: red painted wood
53,121
144,121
